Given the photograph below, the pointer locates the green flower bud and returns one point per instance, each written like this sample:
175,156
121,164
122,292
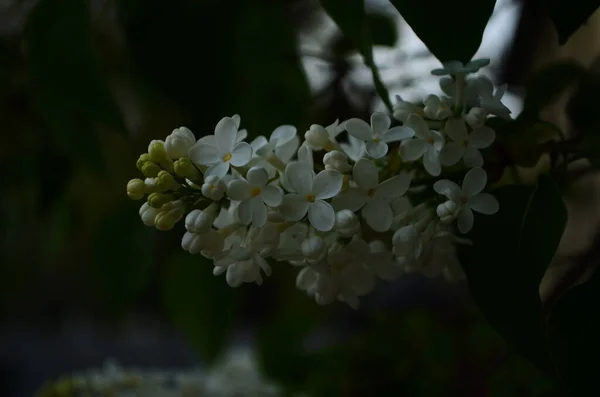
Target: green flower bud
136,188
157,151
157,200
185,169
142,160
164,222
150,169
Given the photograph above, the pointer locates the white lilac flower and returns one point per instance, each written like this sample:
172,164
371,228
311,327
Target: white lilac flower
490,101
456,67
402,109
464,145
148,214
213,188
224,152
311,191
336,161
323,138
476,117
427,144
254,195
209,243
383,263
377,135
179,142
436,108
282,143
347,223
373,197
469,198
354,149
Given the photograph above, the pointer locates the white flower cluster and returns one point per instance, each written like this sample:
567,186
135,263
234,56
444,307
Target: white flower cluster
350,203
237,375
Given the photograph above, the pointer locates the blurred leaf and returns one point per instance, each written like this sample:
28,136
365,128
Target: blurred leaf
568,16
510,253
350,16
384,31
201,305
452,30
122,255
574,330
548,83
69,87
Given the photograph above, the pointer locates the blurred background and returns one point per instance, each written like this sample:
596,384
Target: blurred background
84,87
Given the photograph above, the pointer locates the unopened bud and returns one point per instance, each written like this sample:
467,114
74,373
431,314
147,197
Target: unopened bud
200,221
476,117
185,169
158,154
178,142
157,200
447,211
336,161
317,137
150,169
165,181
314,248
214,188
347,223
142,160
136,188
148,214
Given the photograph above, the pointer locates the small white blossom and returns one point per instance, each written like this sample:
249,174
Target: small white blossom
323,138
224,152
148,214
199,222
456,67
377,135
311,191
476,117
213,188
427,144
347,223
336,161
373,197
436,108
354,149
490,101
469,198
179,142
464,145
403,109
209,243
314,249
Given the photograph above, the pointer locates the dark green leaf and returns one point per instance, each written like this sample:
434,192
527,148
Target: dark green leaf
383,30
548,83
201,305
568,16
510,253
452,30
574,333
122,255
350,16
69,87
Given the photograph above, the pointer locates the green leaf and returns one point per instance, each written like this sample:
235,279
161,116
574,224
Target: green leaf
574,330
568,16
350,16
201,305
383,30
123,256
70,90
510,254
452,30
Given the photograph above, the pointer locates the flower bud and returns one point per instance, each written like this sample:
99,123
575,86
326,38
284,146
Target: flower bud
185,169
347,223
476,117
447,211
158,154
336,161
150,169
157,200
142,160
165,221
136,189
148,214
317,137
436,109
200,221
314,248
214,188
179,142
165,181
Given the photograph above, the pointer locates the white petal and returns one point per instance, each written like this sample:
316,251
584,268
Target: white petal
271,195
266,149
417,123
286,151
394,187
258,142
257,176
484,203
365,174
301,176
321,215
474,182
241,135
451,153
380,122
259,211
237,120
376,149
219,170
431,162
204,154
244,211
359,129
208,140
447,188
465,220
293,207
263,264
413,149
327,184
456,129
378,215
241,154
472,157
235,275
482,137
305,155
397,134
352,199
238,189
283,134
226,134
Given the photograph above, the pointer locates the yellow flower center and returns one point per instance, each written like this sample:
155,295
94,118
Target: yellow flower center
329,146
465,143
227,157
430,140
371,192
463,200
310,198
255,192
376,140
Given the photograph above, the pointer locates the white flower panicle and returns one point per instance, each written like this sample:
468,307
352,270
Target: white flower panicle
352,202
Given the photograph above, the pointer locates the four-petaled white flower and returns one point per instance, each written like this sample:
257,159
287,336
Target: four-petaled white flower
311,192
456,67
254,195
221,151
490,101
373,197
426,144
469,198
464,145
378,134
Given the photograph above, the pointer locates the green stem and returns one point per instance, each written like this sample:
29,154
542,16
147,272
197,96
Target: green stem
379,86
